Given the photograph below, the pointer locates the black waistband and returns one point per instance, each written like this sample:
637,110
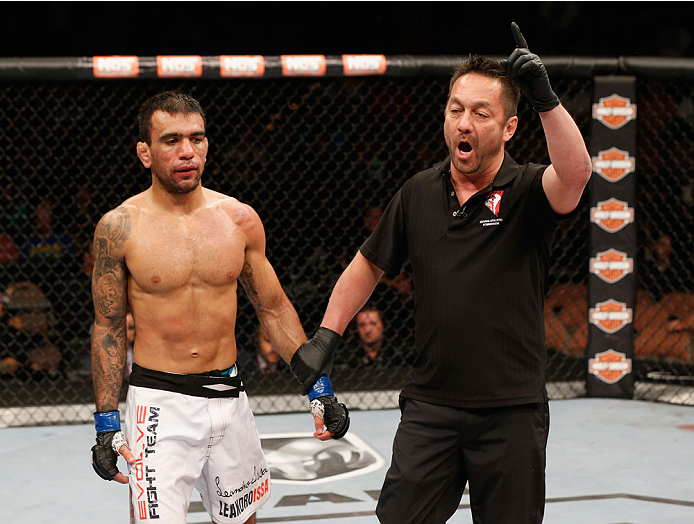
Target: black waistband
198,385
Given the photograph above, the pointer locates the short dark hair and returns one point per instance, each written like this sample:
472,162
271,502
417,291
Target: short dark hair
481,65
172,102
369,306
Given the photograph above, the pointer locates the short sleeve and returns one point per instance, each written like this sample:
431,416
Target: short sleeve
386,247
541,203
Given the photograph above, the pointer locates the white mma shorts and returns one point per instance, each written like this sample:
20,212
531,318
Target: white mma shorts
182,441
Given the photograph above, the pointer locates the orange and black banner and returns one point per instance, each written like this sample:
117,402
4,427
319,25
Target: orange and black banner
225,67
196,66
611,279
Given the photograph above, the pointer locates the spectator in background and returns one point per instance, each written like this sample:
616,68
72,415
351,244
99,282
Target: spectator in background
665,329
566,319
72,296
370,333
371,217
663,269
45,243
371,347
389,291
671,341
10,231
268,358
83,218
10,359
8,249
14,207
372,214
27,341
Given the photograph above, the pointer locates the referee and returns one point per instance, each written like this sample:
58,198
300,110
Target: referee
477,229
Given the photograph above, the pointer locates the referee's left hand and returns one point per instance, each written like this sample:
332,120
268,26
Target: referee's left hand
530,74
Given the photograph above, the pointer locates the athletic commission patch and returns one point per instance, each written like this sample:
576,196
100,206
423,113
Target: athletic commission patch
299,458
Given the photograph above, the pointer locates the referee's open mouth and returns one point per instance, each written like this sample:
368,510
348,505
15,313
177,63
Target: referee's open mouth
465,148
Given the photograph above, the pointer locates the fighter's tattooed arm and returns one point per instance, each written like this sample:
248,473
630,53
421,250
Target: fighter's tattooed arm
246,279
109,291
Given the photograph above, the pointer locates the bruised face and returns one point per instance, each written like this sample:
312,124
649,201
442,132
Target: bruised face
475,125
177,153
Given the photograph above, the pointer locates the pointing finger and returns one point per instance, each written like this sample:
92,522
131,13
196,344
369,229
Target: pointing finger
518,36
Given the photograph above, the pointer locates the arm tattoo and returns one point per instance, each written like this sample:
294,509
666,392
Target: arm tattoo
246,279
109,290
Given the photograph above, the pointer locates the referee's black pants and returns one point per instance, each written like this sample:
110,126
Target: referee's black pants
499,452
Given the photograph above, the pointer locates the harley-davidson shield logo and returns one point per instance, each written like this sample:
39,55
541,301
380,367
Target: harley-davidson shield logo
612,215
610,316
611,265
613,164
609,366
614,111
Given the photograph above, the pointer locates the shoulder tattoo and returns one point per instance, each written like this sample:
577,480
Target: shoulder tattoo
109,277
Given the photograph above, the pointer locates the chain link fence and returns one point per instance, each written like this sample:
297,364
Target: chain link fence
318,159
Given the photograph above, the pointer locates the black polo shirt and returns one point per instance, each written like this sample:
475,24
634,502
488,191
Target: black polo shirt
479,273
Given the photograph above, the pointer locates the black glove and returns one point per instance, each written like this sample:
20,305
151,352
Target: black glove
335,415
314,358
104,457
530,74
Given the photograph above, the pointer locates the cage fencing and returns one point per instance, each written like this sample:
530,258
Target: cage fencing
318,158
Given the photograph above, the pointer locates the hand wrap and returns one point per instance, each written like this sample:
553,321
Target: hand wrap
109,439
530,74
324,404
314,358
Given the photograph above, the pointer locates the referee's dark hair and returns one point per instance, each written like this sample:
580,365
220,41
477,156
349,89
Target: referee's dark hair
491,69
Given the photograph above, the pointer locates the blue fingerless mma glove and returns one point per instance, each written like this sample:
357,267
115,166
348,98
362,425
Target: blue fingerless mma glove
109,439
324,404
311,365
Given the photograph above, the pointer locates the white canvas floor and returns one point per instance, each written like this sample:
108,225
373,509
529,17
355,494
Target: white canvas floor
609,462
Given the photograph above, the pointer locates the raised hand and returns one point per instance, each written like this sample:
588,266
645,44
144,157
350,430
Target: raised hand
530,74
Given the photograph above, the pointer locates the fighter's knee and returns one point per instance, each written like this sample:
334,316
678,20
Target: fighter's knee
251,519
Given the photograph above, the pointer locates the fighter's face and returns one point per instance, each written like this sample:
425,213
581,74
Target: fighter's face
178,151
475,126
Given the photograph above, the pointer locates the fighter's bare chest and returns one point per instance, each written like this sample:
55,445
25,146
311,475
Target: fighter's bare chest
164,255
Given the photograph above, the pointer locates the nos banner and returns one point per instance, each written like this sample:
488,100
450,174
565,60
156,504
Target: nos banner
611,281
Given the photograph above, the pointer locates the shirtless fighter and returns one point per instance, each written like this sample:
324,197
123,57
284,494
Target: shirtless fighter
174,253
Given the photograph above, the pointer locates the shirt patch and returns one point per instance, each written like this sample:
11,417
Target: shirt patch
491,222
493,202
